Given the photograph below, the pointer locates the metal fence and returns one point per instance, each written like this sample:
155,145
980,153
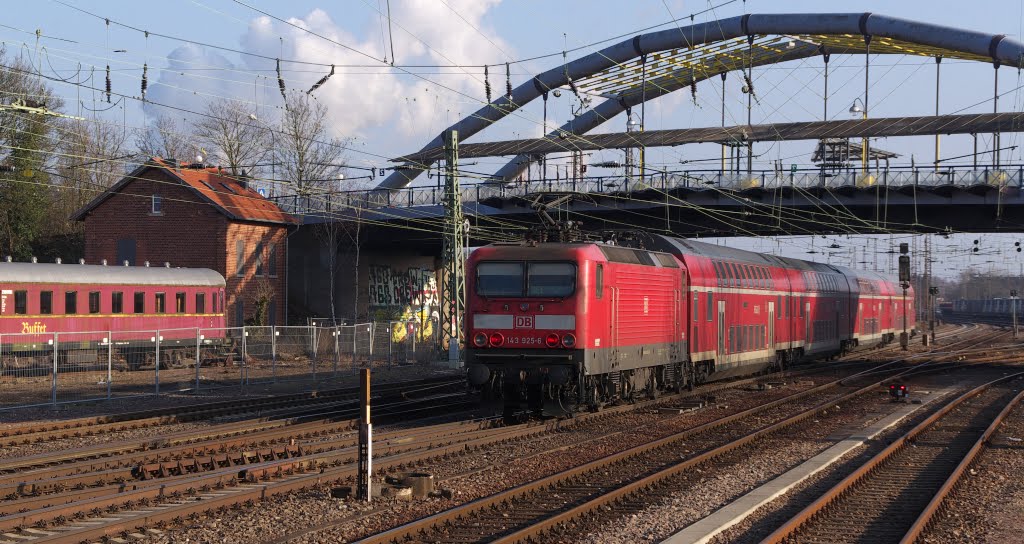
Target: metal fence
697,180
54,368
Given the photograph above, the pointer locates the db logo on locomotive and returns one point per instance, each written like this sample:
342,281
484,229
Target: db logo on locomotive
524,322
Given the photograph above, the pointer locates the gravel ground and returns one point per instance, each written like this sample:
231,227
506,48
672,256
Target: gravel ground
486,471
709,487
991,490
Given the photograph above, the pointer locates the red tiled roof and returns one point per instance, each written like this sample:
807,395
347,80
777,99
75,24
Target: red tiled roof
224,192
228,194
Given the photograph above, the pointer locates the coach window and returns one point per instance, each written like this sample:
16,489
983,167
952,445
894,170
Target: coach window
140,302
46,302
179,303
160,300
778,307
200,303
599,283
71,302
239,257
736,276
116,302
21,302
696,306
711,305
94,302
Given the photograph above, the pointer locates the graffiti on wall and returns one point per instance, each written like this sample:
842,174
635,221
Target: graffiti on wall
414,287
408,296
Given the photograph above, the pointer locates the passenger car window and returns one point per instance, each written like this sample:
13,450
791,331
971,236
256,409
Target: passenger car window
21,302
140,302
71,302
116,302
46,302
94,302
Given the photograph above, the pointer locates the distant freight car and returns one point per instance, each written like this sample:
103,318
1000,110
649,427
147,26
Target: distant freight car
589,324
92,301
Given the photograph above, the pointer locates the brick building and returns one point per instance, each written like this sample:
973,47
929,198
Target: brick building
195,217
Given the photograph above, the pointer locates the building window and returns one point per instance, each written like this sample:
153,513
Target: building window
239,257
116,302
46,302
140,302
94,302
200,303
179,303
258,257
161,300
272,260
71,302
157,205
21,302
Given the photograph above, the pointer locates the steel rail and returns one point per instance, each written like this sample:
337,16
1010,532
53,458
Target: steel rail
787,530
924,520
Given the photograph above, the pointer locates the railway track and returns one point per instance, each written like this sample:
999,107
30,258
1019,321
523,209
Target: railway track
267,408
893,496
528,512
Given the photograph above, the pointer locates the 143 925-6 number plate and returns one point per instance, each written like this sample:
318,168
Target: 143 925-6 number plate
524,341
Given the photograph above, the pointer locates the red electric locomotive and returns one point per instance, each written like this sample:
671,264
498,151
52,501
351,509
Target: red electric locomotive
588,324
92,301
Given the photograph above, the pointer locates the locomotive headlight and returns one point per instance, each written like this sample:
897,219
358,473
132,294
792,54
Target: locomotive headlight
552,340
480,339
496,339
569,340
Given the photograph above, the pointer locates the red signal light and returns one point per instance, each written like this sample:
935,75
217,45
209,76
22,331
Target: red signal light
552,340
497,339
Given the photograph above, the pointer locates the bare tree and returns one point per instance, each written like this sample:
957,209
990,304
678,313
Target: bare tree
165,138
309,156
231,132
92,157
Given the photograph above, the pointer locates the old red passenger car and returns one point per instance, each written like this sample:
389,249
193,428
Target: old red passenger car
39,300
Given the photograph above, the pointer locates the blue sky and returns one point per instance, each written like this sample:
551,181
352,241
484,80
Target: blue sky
389,112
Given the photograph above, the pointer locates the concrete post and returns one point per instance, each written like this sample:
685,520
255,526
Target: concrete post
365,470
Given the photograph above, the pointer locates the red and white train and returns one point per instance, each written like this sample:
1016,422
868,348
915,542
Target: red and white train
88,305
587,323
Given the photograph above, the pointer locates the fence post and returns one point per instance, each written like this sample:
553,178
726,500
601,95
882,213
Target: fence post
53,382
244,375
337,350
110,362
156,374
312,334
199,355
273,354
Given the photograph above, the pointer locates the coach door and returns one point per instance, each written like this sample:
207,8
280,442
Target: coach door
721,327
771,325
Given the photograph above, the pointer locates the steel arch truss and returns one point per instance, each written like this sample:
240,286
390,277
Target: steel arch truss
651,65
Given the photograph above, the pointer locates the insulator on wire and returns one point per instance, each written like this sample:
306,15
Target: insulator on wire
487,84
145,80
321,82
108,84
280,81
693,86
749,82
508,82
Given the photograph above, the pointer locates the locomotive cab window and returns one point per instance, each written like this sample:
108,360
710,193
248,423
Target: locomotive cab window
46,302
21,302
116,302
550,279
94,302
496,279
71,302
140,302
